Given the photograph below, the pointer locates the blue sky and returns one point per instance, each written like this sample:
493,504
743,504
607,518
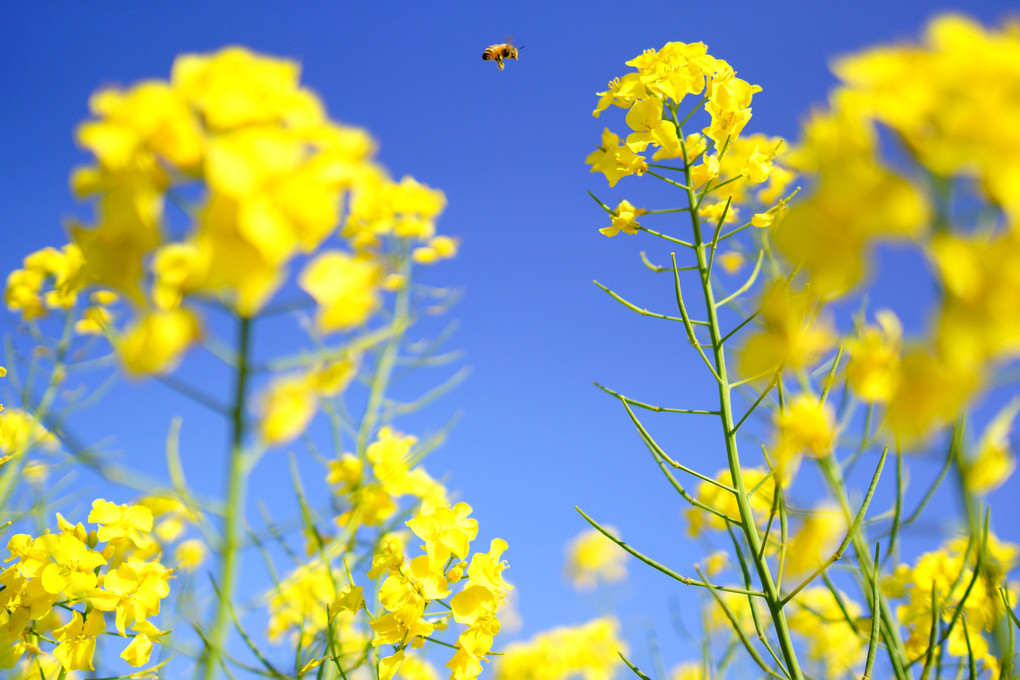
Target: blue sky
535,437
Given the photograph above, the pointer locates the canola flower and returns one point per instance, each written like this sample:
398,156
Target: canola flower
60,586
592,558
776,343
273,173
210,189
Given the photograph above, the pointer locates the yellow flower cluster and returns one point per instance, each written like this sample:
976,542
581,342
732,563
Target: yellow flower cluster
291,401
54,572
952,102
943,581
269,173
722,500
718,160
590,650
372,491
315,598
831,640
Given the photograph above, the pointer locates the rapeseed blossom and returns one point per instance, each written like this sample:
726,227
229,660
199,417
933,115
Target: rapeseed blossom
69,568
591,558
274,173
588,650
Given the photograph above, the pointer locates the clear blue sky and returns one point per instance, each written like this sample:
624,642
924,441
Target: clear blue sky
508,149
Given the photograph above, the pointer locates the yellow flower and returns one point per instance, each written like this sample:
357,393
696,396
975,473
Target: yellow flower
981,281
817,616
622,92
995,461
131,522
78,641
21,432
873,369
689,670
389,665
155,344
590,650
624,219
759,165
731,261
288,406
487,569
445,531
345,287
150,118
706,171
438,248
804,425
794,335
951,100
191,554
614,160
823,529
234,87
928,394
855,200
416,668
137,653
726,503
591,557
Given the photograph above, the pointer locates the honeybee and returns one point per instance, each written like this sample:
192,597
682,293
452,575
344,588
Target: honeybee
501,52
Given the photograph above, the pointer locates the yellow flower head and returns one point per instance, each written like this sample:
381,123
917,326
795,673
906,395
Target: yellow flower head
624,219
591,557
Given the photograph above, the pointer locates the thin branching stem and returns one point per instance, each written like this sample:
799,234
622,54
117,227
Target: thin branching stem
661,567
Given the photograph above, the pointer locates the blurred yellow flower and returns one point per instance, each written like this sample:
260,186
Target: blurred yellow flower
928,395
805,425
817,616
823,529
855,200
995,460
156,343
287,406
345,287
795,333
591,558
191,554
873,368
590,650
731,261
952,100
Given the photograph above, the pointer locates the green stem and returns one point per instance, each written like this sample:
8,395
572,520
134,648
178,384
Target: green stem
387,358
237,482
747,520
869,571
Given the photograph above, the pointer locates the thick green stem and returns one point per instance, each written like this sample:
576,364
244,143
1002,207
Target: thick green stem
237,485
747,520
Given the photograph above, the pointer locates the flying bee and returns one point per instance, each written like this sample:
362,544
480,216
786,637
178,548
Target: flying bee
501,52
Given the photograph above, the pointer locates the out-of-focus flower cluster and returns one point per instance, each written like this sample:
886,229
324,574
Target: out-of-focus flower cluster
261,175
61,586
590,651
952,102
